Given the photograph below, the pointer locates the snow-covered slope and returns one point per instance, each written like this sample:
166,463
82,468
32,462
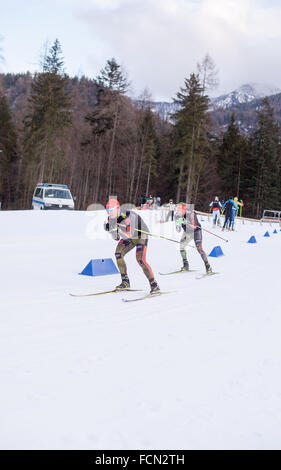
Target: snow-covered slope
244,94
165,109
194,369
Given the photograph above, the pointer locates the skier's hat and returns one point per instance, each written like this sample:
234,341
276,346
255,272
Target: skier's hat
181,206
112,204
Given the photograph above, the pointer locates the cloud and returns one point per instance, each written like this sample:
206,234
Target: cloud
159,42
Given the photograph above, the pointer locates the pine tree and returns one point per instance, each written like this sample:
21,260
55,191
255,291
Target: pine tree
266,161
105,118
229,160
149,147
113,78
50,116
8,155
189,135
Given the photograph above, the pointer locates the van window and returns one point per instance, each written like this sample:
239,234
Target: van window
57,193
39,192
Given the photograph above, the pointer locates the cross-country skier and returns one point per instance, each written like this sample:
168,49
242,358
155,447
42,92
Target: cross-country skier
234,210
187,220
128,228
228,213
216,207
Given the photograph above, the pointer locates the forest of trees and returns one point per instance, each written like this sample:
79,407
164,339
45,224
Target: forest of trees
88,134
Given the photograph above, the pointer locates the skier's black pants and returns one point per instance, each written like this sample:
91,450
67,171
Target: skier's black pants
228,219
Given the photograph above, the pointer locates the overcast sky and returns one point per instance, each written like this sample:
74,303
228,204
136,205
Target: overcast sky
158,42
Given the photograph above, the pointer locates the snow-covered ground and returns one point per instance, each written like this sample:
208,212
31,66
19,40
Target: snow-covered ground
194,369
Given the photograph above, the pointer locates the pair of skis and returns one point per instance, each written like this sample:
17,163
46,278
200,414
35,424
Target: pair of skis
207,275
147,296
190,271
179,271
115,291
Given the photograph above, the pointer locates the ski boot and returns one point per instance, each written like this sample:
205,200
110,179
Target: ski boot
154,288
208,269
185,266
125,284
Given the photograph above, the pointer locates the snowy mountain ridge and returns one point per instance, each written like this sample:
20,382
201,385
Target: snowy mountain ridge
242,95
165,109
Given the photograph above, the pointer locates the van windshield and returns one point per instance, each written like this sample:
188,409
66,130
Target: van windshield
57,193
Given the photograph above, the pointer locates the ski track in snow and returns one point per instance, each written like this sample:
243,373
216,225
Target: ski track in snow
195,369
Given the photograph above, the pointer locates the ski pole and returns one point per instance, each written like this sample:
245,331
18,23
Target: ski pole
215,235
176,241
160,236
171,239
157,236
164,238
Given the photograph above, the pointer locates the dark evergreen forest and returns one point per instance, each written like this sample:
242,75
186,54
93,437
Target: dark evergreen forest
88,134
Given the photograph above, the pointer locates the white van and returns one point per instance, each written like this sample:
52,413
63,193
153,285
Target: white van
52,196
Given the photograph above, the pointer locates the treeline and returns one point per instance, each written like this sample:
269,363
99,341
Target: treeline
90,135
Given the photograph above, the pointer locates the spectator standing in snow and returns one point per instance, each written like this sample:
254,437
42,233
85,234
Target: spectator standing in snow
149,202
143,201
171,210
216,207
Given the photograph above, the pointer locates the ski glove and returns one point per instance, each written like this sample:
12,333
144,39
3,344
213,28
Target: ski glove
113,231
180,221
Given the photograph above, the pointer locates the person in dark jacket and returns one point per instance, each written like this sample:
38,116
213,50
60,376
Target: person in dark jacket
228,213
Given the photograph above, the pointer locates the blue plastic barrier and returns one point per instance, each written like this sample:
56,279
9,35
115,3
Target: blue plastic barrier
216,252
100,267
